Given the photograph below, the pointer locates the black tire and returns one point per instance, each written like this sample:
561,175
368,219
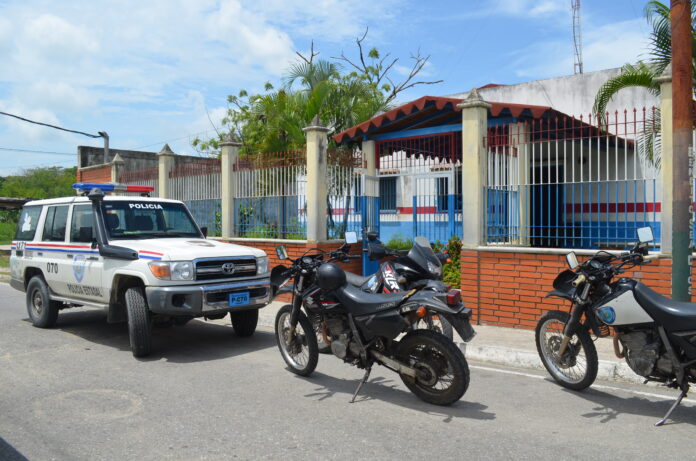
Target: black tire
302,355
433,352
244,322
437,323
43,312
139,322
569,370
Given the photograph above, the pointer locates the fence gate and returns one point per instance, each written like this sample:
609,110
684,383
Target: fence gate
435,199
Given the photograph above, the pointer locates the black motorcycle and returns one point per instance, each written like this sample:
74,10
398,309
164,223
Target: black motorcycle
656,336
366,328
416,269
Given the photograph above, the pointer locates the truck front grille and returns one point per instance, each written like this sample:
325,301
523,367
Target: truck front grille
227,268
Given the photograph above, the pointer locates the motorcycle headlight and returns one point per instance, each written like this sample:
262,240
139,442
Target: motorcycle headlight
435,269
262,265
182,270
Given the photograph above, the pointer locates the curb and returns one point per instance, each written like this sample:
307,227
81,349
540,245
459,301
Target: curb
607,370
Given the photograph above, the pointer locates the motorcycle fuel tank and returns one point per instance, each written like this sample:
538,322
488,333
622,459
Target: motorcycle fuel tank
621,308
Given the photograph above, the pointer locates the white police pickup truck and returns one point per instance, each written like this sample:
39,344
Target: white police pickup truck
142,259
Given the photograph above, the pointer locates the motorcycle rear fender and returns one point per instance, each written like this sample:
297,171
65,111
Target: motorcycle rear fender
458,316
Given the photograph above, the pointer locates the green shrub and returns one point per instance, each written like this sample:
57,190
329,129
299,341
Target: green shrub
399,242
452,269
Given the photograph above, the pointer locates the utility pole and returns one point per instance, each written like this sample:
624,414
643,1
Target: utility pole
682,127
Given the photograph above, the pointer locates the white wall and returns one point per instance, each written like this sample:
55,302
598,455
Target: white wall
572,95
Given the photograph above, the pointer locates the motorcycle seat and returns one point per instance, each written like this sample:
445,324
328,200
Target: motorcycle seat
356,280
673,315
359,302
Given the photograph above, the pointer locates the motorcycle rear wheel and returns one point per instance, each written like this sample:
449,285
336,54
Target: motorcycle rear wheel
437,323
577,369
444,366
300,352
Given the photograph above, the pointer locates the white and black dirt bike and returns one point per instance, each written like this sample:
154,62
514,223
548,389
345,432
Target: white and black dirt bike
656,335
367,328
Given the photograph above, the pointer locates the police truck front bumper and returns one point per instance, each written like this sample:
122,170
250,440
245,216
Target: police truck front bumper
200,300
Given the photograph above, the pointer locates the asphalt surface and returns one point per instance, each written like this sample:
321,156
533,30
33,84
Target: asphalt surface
76,393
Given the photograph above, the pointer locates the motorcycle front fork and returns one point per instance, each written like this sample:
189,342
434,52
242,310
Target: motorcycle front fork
570,328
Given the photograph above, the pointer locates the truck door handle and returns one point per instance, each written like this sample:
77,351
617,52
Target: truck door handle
70,256
40,253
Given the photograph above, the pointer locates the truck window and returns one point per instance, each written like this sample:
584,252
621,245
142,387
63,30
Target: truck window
81,224
28,220
54,226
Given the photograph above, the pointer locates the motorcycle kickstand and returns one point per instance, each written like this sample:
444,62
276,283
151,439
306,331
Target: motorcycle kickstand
676,403
364,380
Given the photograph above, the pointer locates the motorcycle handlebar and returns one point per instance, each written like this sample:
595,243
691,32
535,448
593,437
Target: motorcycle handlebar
579,280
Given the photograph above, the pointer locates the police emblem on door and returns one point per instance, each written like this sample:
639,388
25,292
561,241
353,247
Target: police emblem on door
78,267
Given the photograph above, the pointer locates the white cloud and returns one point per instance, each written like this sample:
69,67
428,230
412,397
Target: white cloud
521,8
604,47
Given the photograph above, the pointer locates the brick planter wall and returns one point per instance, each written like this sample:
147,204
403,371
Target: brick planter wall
508,289
297,249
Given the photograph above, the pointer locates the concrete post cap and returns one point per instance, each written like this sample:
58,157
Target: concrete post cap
666,75
230,140
473,100
315,125
166,150
118,159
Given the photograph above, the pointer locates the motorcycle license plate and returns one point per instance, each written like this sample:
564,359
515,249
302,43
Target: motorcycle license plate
239,299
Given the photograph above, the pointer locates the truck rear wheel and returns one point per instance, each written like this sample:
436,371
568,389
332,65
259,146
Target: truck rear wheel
42,311
244,322
139,322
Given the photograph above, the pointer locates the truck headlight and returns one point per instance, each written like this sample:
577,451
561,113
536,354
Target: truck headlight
181,270
262,265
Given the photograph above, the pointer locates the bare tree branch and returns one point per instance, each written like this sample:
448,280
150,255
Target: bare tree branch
312,54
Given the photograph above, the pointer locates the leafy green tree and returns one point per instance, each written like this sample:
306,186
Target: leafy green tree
39,183
272,121
644,74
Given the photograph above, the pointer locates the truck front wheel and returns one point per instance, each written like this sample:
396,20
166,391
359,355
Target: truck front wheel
244,322
139,322
42,311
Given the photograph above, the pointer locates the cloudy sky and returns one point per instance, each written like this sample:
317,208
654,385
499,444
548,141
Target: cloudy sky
155,71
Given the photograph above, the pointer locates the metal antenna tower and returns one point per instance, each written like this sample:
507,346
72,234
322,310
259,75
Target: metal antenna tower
577,36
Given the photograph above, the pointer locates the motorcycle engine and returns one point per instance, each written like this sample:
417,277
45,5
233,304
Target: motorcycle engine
643,354
342,344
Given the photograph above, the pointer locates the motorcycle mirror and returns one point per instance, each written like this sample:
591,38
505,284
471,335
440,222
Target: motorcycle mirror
572,260
282,252
351,237
375,251
372,236
645,235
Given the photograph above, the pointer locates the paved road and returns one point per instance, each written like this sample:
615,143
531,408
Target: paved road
76,393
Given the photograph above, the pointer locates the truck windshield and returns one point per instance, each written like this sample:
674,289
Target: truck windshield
136,219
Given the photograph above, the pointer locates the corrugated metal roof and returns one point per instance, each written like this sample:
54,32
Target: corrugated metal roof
438,103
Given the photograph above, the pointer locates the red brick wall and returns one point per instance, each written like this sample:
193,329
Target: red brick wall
508,289
98,175
297,249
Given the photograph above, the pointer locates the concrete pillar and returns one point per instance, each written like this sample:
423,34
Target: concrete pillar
117,167
666,162
166,163
229,149
519,141
369,152
317,174
474,167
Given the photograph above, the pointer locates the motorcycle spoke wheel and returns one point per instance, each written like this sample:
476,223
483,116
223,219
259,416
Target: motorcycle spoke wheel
577,368
436,323
443,371
299,350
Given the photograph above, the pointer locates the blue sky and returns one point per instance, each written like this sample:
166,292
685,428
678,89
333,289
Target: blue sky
155,71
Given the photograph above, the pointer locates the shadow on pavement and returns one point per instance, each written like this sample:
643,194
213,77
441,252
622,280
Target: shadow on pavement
9,453
610,406
197,341
385,389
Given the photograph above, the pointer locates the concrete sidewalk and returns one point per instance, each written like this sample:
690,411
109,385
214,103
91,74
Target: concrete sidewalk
510,347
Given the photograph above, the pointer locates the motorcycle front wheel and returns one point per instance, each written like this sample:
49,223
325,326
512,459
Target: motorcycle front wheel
299,350
577,368
444,373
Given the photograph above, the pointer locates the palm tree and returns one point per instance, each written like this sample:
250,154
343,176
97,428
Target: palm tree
645,74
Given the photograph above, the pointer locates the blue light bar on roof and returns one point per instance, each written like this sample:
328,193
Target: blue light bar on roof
111,187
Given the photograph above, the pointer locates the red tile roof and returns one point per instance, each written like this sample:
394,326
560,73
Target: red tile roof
515,110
